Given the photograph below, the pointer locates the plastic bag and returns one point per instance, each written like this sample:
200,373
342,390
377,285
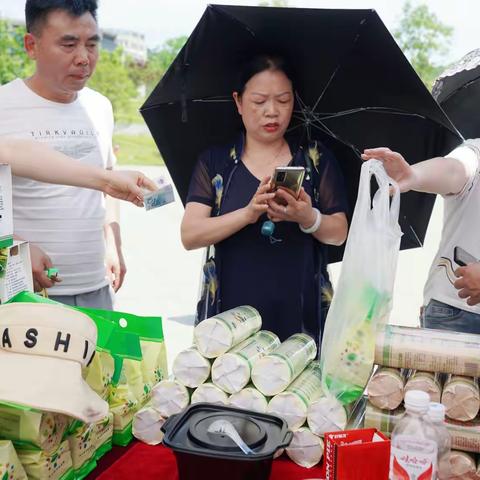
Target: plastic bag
363,297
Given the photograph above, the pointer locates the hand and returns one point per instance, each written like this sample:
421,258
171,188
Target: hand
468,283
395,165
259,203
285,207
127,185
41,262
116,268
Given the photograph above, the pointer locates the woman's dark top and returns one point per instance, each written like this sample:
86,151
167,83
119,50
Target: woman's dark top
283,276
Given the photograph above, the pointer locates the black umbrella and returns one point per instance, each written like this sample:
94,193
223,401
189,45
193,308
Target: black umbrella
354,89
457,90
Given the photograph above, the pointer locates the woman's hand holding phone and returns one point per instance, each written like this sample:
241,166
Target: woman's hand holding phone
284,207
258,204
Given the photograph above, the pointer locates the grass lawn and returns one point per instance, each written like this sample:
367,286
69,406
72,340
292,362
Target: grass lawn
136,150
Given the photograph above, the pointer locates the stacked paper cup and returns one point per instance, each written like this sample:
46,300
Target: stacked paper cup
234,362
444,364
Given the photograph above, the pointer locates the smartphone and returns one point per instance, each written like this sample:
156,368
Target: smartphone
462,257
288,178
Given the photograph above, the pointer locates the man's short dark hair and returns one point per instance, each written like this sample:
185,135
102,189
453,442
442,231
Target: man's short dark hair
36,11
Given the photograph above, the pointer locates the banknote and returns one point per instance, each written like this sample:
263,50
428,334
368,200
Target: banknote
160,197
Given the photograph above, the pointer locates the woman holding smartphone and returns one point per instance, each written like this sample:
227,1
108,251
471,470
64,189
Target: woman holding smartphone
231,204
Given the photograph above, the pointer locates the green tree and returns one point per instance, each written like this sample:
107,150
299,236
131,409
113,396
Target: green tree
112,79
424,39
158,61
162,57
14,62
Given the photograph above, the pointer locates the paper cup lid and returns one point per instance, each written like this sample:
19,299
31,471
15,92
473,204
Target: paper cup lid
191,368
326,414
306,448
169,397
249,399
290,407
209,393
212,337
271,375
146,426
230,372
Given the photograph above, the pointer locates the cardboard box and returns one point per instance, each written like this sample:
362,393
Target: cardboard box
6,216
356,455
17,276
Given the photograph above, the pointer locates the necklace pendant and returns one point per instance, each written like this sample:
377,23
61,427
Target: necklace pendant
268,227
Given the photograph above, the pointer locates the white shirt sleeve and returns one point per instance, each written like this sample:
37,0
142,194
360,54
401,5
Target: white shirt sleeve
468,154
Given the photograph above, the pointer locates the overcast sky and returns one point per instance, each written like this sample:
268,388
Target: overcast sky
163,19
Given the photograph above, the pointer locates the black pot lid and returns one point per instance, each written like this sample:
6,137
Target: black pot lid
263,434
250,431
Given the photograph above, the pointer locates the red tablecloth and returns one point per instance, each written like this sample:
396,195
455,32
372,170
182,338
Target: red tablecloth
144,462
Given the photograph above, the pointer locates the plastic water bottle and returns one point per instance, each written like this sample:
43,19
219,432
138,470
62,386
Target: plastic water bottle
414,447
436,414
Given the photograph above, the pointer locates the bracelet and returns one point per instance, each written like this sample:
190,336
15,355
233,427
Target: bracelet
316,224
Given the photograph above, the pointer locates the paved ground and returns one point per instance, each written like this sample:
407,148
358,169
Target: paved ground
163,278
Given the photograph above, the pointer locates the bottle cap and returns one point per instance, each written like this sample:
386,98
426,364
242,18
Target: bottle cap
436,412
417,400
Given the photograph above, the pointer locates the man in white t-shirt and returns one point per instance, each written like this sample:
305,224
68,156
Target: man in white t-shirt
457,178
73,229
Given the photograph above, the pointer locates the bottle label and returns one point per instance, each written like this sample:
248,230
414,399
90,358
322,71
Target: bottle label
415,460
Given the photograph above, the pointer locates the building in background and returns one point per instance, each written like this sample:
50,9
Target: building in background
132,43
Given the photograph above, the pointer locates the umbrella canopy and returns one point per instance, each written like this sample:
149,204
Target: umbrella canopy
354,89
457,90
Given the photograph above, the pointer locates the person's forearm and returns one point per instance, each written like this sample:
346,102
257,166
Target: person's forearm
202,232
439,175
25,158
112,223
333,230
112,210
113,238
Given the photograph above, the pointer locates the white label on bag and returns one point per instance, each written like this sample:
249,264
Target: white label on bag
416,460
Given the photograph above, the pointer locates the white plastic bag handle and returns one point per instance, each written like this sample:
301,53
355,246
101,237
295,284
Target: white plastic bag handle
382,211
224,427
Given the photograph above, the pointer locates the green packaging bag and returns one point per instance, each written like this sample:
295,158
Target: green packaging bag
102,436
153,366
99,373
117,372
27,427
123,406
118,375
122,399
10,466
48,466
82,449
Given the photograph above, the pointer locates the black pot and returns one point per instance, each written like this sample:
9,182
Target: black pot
201,454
